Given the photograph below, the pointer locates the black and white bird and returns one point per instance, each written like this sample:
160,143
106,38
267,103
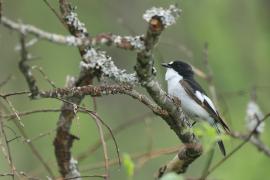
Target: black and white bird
194,101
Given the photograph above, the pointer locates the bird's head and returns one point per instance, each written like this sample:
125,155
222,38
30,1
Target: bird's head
178,67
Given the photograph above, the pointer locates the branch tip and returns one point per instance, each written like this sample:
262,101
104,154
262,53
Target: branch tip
167,16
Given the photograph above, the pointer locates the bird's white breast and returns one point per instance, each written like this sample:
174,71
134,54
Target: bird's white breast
191,107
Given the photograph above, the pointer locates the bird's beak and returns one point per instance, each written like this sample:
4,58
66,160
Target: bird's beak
165,65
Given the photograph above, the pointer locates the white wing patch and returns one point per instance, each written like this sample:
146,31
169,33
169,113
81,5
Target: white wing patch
210,102
203,97
199,95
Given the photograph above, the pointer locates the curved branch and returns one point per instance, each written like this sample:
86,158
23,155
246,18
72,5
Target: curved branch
158,20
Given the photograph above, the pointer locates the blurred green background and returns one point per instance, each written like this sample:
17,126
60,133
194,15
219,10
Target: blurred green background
238,33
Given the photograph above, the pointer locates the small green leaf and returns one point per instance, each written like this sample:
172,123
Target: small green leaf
208,135
172,176
198,132
128,165
210,131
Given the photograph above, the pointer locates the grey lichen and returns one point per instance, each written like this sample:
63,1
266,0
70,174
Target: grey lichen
72,41
72,19
94,59
168,16
70,81
253,116
135,41
74,173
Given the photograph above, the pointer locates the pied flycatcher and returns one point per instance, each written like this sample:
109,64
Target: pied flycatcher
194,101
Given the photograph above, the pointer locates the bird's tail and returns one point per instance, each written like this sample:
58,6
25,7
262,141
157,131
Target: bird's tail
220,142
221,147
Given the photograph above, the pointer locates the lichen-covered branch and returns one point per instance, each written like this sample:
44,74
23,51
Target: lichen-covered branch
122,42
158,19
102,64
97,63
64,140
55,38
85,90
95,91
26,69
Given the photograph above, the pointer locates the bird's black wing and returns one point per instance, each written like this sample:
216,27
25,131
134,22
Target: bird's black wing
195,86
191,87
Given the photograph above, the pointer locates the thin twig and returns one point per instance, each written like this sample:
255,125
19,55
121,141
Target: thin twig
255,141
55,12
88,176
128,123
21,114
146,156
235,149
94,104
105,150
7,153
15,94
5,81
6,174
94,114
14,111
34,150
44,76
208,162
29,177
28,44
26,69
112,135
39,136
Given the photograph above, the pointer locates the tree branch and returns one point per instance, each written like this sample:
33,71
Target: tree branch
26,69
109,39
158,20
253,140
64,140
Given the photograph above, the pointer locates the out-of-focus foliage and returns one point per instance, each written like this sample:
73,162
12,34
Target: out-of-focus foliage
129,165
238,33
208,135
